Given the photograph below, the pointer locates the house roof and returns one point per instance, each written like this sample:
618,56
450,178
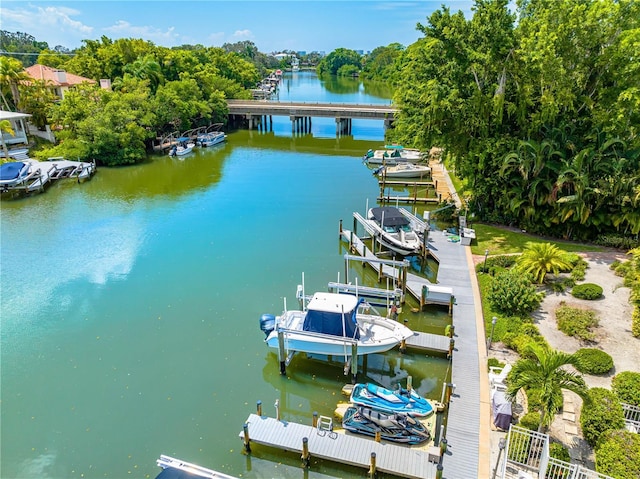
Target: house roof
55,76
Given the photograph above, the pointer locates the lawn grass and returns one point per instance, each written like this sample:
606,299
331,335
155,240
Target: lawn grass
500,240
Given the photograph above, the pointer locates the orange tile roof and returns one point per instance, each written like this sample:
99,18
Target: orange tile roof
42,72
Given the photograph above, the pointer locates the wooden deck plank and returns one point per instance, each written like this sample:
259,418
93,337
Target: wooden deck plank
344,448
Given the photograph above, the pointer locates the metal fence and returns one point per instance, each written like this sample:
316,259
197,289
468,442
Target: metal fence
527,457
631,417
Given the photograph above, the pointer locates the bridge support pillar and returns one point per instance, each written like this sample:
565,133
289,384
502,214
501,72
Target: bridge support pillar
343,126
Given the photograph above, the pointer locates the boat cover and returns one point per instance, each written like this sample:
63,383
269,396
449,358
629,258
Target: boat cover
11,170
392,216
326,312
501,409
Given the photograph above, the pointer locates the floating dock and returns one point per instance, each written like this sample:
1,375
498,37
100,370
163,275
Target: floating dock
42,173
338,446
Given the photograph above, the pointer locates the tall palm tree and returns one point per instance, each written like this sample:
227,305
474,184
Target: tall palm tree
11,74
546,373
538,259
5,127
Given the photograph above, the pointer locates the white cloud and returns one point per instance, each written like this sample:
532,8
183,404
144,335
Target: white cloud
45,23
125,29
240,35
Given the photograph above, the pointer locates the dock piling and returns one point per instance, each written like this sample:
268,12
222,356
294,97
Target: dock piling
277,406
246,440
372,468
315,419
259,408
306,457
282,354
354,362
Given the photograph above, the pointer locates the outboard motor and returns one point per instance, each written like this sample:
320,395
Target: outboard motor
267,323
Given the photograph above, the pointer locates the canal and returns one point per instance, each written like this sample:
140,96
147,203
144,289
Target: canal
130,303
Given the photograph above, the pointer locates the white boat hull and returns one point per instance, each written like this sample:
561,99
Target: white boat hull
377,335
405,170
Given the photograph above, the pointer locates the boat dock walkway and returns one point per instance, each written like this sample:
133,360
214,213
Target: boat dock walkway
419,287
343,448
468,416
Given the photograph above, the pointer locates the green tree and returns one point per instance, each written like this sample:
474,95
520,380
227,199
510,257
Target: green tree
11,75
36,99
546,373
338,58
5,127
539,259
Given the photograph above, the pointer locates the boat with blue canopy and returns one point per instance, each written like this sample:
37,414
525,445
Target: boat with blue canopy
331,324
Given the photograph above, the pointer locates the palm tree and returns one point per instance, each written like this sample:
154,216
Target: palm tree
12,74
546,374
538,259
5,127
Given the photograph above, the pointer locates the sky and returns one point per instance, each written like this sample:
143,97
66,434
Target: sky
273,26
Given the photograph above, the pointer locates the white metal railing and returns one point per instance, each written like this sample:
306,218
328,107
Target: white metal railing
527,453
631,417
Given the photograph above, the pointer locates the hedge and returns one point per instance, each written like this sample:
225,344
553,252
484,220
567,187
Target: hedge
626,385
576,322
588,291
593,361
602,413
618,455
530,421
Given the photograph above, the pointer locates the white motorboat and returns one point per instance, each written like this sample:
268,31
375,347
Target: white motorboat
394,230
330,324
392,155
404,170
183,147
211,137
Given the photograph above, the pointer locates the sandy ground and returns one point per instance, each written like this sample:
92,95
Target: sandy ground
613,335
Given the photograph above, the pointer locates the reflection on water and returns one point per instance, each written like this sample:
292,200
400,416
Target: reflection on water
130,306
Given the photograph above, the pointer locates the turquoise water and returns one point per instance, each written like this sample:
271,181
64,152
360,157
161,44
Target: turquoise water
130,307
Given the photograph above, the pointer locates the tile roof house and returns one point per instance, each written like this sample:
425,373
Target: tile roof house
59,80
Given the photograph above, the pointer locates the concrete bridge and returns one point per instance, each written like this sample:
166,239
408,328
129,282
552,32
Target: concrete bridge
259,114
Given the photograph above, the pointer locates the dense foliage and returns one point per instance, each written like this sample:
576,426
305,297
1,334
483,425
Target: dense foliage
338,59
538,110
539,259
511,292
618,455
593,361
577,322
602,413
589,291
626,385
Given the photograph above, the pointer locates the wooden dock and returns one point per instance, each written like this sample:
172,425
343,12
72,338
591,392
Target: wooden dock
419,287
342,447
42,173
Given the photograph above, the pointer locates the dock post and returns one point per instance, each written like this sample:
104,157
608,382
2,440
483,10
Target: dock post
403,345
354,362
282,355
409,383
372,467
315,419
423,296
439,469
378,436
449,391
277,406
443,446
259,408
452,343
246,440
452,300
340,228
305,452
452,330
